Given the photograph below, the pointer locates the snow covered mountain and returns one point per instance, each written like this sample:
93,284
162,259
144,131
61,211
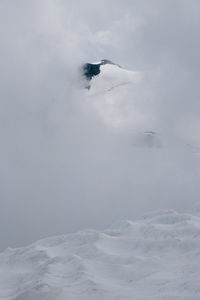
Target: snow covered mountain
107,75
155,257
115,93
125,102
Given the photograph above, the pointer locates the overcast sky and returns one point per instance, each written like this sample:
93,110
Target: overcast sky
63,168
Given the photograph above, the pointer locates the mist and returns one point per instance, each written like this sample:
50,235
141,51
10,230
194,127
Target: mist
65,165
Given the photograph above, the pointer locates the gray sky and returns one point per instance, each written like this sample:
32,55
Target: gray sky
62,167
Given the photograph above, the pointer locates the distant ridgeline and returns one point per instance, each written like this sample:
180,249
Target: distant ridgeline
90,70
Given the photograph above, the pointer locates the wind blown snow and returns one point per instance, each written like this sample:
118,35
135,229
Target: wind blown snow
155,257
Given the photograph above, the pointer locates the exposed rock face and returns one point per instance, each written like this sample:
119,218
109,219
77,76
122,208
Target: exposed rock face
90,70
93,69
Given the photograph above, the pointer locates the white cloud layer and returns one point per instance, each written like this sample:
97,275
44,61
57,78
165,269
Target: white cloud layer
63,167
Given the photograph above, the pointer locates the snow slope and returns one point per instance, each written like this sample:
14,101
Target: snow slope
113,93
125,100
156,257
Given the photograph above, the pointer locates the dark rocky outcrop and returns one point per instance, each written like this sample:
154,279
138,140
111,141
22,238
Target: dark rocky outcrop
90,70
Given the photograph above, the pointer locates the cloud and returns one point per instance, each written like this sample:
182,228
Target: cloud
64,168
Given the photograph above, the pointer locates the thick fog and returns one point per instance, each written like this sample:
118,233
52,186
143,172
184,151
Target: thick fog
65,166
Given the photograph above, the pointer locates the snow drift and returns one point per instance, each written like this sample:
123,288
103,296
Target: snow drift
155,257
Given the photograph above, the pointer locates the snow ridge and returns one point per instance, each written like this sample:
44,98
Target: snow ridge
156,257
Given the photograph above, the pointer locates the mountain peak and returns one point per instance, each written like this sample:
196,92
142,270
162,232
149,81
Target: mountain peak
93,69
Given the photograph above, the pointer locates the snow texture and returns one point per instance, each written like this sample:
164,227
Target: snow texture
156,257
124,102
112,91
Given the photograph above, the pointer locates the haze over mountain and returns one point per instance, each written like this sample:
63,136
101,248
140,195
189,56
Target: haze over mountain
74,158
110,86
85,145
